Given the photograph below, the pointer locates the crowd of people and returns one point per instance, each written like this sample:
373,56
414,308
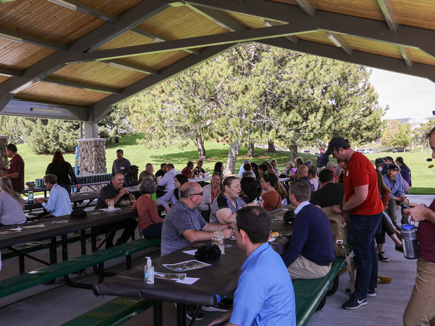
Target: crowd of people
183,212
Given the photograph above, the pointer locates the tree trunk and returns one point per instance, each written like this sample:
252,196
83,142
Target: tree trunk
271,147
251,150
201,149
232,158
293,152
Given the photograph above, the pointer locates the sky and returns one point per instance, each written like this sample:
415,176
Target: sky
407,96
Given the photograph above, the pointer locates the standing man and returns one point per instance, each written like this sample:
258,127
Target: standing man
121,164
59,202
395,183
322,160
362,200
115,192
184,223
15,172
264,295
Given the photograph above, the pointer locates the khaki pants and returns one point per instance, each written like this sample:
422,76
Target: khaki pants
306,269
421,306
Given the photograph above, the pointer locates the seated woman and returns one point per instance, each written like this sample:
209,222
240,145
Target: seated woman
211,191
271,197
289,170
150,223
219,168
249,189
248,171
172,196
11,204
225,206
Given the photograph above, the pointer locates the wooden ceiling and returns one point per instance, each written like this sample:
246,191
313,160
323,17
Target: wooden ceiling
75,59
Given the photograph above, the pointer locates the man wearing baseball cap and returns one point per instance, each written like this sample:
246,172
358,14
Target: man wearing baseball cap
362,201
395,183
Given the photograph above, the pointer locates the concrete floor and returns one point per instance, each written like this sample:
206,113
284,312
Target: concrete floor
47,305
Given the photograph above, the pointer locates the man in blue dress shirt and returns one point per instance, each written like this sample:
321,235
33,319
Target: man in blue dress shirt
59,202
264,294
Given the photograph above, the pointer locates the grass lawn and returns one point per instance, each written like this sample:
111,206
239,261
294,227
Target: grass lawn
422,177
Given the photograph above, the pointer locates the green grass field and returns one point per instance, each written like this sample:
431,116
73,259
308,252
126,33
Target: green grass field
422,177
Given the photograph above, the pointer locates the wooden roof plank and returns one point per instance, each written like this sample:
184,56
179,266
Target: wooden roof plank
406,56
20,37
75,84
306,7
218,17
45,67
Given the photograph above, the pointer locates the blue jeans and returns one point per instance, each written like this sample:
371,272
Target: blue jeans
152,232
364,247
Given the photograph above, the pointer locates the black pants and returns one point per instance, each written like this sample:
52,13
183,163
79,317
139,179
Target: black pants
387,227
129,225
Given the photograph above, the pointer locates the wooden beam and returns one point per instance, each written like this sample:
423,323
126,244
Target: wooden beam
405,55
339,42
195,42
218,17
4,33
131,67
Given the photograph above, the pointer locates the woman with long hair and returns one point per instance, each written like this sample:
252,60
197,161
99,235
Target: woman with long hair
11,204
219,168
172,196
210,191
249,188
63,171
405,171
386,226
150,223
226,205
271,197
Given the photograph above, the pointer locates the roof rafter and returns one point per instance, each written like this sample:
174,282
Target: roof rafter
340,23
339,42
195,42
131,67
157,37
269,23
218,17
32,40
100,108
405,55
45,67
387,11
360,58
92,11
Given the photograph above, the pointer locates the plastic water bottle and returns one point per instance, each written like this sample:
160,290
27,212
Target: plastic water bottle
411,249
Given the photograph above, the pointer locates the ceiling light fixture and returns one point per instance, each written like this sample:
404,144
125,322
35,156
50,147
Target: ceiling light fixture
45,110
333,40
117,65
64,4
11,38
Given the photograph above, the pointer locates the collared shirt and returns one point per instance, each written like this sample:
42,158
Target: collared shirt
168,180
396,185
301,205
264,294
179,219
59,202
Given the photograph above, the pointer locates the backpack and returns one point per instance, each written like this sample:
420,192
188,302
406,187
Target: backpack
339,231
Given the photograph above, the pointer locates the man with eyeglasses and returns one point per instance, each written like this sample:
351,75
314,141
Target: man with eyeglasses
184,223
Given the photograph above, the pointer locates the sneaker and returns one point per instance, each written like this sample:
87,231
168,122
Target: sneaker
220,307
382,257
190,310
371,293
399,248
354,303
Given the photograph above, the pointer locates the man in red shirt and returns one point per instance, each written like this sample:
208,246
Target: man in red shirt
363,202
15,172
188,170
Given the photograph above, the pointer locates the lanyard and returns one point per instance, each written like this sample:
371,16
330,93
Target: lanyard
229,201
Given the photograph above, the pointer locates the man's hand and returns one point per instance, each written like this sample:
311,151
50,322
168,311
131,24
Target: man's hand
336,209
123,191
227,233
39,200
417,212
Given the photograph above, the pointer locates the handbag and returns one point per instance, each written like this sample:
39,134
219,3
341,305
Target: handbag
78,213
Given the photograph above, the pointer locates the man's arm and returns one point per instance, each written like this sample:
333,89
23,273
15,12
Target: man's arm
421,213
358,198
118,197
194,236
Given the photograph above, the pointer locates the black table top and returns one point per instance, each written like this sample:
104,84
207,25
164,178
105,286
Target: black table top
50,229
78,196
215,281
